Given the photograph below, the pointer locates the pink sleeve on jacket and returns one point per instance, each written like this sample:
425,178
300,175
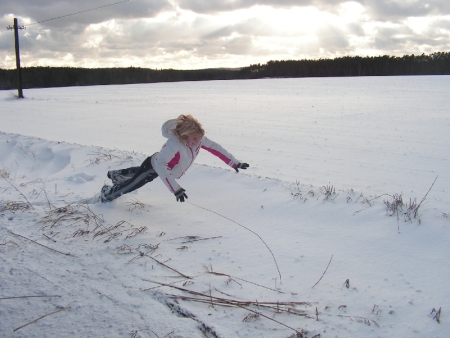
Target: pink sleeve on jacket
217,150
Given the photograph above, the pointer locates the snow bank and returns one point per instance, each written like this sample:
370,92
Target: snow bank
98,269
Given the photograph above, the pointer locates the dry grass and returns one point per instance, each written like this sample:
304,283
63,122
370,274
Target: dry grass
394,205
107,155
363,320
88,223
296,191
136,231
108,233
4,173
346,284
136,204
255,308
12,185
251,317
14,206
437,315
72,214
412,209
27,152
328,190
302,334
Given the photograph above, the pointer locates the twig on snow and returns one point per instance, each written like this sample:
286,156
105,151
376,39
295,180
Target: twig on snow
17,297
437,316
142,254
34,321
210,271
159,286
230,302
66,254
324,272
416,210
346,284
133,334
200,239
168,267
273,256
49,238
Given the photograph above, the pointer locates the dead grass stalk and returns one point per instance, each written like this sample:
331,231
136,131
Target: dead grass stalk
253,232
276,307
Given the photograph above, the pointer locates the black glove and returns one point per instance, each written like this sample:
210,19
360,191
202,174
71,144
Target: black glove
241,166
180,195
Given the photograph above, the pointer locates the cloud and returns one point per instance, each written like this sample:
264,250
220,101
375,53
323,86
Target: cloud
41,10
375,10
382,10
333,39
396,10
209,6
204,33
395,39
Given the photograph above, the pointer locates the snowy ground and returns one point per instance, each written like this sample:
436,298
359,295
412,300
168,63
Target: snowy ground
299,243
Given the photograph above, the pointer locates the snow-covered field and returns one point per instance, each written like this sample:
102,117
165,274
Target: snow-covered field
299,245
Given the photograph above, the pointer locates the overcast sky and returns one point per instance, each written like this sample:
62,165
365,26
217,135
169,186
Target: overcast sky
195,34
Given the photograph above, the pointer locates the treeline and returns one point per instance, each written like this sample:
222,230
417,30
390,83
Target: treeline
41,77
432,64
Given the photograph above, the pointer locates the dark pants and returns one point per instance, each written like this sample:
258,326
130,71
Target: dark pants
138,177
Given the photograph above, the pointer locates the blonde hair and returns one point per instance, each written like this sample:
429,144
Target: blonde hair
187,125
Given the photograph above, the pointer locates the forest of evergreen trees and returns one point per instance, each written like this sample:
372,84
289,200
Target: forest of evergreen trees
42,77
432,64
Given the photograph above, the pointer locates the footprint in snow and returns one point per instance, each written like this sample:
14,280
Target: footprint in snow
81,178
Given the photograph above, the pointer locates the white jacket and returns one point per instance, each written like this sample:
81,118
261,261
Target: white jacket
176,157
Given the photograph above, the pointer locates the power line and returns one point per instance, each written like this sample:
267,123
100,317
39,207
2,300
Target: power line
87,10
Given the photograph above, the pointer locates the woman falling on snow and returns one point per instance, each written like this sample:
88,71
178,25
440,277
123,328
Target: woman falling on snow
185,139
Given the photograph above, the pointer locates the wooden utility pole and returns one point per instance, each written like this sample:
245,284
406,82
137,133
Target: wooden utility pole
19,71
